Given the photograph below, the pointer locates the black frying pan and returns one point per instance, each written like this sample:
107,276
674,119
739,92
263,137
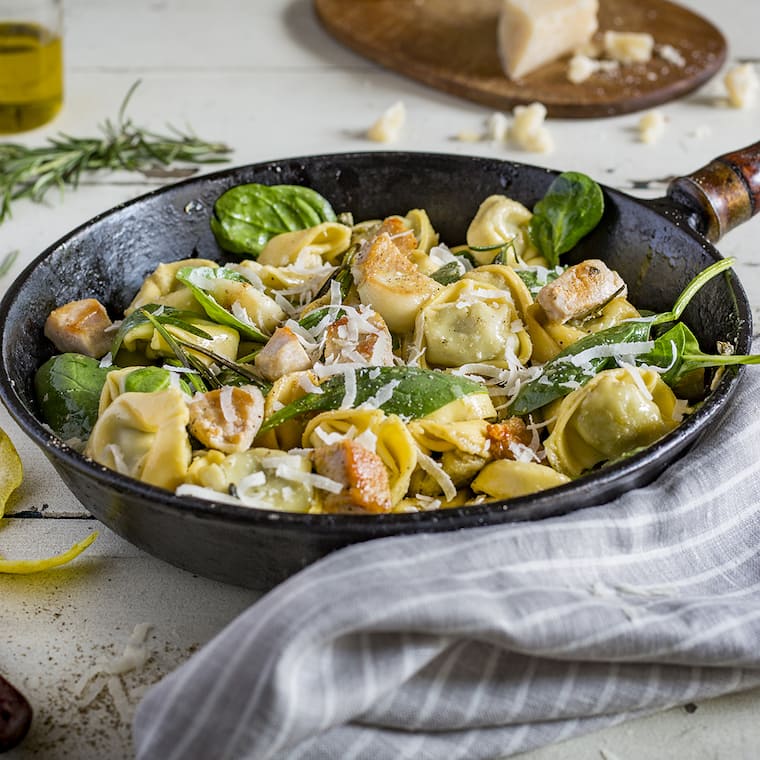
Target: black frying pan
656,246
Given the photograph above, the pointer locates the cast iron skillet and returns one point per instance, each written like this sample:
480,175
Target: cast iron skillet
656,246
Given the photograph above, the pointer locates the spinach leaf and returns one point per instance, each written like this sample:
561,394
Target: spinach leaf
448,273
571,208
568,371
67,388
678,352
536,278
246,217
416,393
215,311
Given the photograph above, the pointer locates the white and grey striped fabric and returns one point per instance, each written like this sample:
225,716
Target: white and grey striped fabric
488,642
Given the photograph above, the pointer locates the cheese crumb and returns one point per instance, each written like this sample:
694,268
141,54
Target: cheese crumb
497,127
388,127
468,135
742,85
628,47
581,67
671,55
528,131
652,126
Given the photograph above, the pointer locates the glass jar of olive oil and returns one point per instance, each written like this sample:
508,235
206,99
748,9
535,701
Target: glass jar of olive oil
31,63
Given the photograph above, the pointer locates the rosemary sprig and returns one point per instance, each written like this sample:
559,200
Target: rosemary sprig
7,262
30,172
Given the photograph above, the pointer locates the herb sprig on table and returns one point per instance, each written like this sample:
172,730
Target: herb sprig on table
122,146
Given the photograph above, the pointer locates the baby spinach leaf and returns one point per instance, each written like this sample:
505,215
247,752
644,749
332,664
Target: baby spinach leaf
67,388
448,273
416,393
536,278
678,352
571,208
190,276
246,217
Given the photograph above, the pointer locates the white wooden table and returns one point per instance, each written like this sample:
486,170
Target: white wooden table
265,78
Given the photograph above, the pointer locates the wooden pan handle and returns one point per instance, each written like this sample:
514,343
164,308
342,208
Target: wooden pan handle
724,193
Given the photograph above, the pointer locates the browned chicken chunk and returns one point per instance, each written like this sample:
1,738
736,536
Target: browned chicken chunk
401,235
579,290
227,419
504,437
365,480
359,341
80,327
282,354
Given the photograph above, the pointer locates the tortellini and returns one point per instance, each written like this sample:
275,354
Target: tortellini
162,287
470,321
508,479
309,248
144,436
255,476
145,339
500,221
617,412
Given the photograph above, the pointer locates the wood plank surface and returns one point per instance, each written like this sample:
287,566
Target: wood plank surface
452,45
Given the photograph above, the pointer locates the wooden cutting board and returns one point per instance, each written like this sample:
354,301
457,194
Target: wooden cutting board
451,45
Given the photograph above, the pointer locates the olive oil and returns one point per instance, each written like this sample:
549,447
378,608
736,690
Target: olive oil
31,76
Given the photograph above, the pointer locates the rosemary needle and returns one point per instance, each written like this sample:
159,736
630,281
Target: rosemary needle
30,172
7,262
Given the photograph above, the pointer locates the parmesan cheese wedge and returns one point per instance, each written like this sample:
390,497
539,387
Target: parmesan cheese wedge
534,32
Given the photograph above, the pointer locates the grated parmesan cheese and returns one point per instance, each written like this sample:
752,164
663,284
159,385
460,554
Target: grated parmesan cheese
350,395
432,468
226,404
583,359
107,673
635,374
383,396
316,481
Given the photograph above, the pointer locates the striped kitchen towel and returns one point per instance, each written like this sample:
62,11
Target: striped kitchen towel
492,641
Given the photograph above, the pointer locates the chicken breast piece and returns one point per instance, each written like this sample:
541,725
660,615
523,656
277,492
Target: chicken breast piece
282,354
579,290
401,235
227,419
360,341
80,327
365,481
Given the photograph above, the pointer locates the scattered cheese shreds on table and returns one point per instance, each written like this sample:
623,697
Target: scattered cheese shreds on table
11,475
